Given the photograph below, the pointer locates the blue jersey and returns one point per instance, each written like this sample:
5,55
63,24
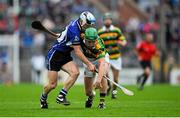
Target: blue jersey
70,36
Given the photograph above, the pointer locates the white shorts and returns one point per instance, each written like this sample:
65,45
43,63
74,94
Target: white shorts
116,63
88,73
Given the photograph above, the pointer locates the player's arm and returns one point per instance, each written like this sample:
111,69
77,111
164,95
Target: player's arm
57,35
101,72
156,51
121,40
103,60
82,57
76,45
138,48
102,69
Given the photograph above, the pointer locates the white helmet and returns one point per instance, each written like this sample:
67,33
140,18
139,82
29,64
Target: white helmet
87,17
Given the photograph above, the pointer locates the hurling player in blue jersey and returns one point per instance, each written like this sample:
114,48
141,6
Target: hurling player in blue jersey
59,58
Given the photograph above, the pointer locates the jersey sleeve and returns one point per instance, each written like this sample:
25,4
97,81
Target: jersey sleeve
100,46
121,36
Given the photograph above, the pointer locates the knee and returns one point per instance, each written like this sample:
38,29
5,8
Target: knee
74,73
53,85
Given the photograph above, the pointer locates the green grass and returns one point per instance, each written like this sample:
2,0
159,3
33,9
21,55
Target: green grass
157,100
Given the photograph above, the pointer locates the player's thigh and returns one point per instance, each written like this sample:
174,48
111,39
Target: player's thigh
115,73
116,64
114,70
52,77
71,68
147,67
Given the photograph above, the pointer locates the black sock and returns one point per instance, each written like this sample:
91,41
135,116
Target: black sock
102,97
142,75
90,97
114,86
43,97
63,92
109,83
144,80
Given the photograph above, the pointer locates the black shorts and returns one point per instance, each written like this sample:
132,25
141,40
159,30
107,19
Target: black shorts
56,59
145,64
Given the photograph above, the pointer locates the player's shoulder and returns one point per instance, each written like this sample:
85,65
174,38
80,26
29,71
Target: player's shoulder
73,26
100,43
115,28
143,42
101,30
100,40
140,44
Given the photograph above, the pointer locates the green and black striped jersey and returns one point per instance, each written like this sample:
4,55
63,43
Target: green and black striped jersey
111,38
97,52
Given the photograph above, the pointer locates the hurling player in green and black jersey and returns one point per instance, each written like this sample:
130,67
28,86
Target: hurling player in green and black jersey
94,49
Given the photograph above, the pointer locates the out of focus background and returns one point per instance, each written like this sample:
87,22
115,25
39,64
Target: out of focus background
23,49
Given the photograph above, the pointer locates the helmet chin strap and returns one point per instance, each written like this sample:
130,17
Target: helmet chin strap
81,25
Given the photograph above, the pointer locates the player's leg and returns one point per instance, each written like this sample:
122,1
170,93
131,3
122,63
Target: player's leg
103,93
140,77
52,83
116,79
109,85
103,90
72,69
52,76
116,66
88,82
147,72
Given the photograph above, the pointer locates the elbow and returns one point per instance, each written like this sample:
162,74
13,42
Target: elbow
124,43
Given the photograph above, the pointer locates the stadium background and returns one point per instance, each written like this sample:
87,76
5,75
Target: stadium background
134,17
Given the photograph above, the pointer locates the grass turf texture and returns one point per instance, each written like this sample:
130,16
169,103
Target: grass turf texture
156,100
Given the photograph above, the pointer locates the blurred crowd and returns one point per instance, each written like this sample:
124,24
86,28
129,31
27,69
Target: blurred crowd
55,14
135,28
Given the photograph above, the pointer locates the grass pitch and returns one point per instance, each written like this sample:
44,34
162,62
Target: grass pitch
156,100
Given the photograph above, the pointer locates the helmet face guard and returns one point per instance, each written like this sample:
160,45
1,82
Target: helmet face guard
87,19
